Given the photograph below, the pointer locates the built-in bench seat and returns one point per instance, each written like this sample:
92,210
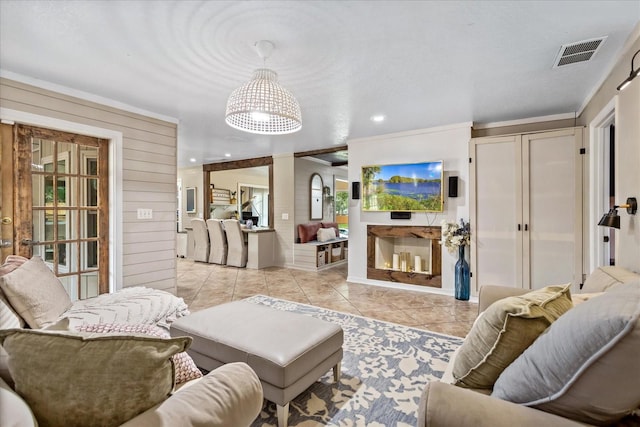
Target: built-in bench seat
309,232
316,250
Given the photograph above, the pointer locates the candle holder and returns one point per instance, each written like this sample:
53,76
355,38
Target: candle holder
405,261
417,264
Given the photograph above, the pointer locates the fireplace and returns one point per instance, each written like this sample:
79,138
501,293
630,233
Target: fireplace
405,254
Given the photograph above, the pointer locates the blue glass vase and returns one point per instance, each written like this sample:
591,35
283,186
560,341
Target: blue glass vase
462,288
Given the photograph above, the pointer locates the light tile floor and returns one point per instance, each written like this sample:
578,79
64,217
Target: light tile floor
205,285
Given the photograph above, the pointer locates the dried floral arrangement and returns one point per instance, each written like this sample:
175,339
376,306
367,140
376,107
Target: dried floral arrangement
455,235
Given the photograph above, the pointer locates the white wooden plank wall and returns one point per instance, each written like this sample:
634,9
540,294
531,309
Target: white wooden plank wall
283,202
148,177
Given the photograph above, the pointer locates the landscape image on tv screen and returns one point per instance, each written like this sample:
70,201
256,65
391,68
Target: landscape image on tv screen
403,187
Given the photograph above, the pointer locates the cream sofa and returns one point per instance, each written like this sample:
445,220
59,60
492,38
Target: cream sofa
228,396
445,404
34,306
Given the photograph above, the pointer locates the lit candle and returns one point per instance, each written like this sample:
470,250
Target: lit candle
396,262
417,262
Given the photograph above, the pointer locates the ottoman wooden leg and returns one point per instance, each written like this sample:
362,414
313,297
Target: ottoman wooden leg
283,415
336,372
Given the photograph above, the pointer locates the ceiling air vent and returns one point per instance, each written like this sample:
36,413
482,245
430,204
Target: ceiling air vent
578,52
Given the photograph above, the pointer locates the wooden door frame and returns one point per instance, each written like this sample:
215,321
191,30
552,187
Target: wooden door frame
6,197
22,202
594,165
237,164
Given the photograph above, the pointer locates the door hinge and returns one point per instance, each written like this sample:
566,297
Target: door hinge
583,151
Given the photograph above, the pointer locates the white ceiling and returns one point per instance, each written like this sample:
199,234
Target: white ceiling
420,63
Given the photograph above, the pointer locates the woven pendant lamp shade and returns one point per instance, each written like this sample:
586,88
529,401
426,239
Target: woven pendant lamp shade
263,106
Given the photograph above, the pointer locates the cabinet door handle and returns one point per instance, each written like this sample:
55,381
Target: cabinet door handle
519,228
526,227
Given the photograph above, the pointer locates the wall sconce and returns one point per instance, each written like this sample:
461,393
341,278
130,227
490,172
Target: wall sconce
612,219
632,75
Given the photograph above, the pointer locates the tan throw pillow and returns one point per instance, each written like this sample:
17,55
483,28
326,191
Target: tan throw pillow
333,225
580,298
104,380
586,367
35,293
607,277
185,367
506,328
8,317
326,234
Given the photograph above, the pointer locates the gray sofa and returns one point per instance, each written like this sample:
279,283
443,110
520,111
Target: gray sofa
445,404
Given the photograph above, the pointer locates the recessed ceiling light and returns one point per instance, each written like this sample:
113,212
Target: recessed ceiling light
192,160
377,118
227,154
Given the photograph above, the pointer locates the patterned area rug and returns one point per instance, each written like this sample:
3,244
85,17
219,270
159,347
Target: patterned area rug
384,371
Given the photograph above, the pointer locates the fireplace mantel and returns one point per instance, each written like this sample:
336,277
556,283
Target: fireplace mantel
432,278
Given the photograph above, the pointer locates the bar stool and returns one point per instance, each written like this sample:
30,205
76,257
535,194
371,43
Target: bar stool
218,240
201,240
236,249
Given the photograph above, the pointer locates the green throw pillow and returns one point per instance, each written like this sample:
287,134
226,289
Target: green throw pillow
504,331
73,380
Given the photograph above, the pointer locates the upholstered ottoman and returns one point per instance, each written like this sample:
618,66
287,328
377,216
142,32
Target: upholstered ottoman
288,351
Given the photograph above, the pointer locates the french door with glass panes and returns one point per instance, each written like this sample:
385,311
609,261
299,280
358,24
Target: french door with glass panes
61,212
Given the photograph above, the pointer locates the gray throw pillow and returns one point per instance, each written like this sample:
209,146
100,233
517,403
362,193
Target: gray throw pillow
586,366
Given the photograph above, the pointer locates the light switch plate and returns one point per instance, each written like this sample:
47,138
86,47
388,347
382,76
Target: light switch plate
285,216
145,213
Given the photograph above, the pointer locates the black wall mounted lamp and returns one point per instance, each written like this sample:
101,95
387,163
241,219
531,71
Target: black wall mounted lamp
612,219
632,75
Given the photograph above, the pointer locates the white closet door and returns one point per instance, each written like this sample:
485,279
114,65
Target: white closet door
552,208
496,194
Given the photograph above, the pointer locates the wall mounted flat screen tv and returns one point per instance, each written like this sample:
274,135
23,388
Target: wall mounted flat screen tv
412,187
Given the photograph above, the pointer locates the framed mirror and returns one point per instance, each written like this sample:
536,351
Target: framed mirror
316,202
191,200
253,203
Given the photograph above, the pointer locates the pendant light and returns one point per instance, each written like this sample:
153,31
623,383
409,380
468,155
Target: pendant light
262,106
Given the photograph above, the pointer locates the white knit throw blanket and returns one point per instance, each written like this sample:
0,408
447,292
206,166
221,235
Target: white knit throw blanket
130,305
